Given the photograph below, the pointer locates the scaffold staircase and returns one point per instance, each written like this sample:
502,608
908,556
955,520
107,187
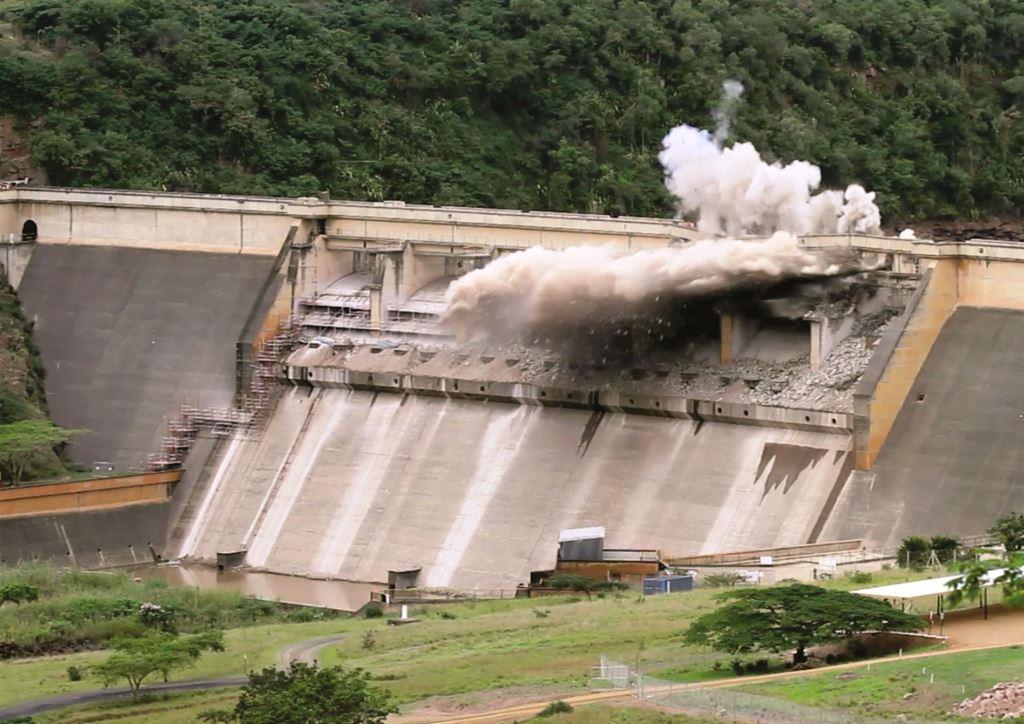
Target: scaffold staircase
251,411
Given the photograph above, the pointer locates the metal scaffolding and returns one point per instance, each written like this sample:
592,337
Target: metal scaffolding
254,405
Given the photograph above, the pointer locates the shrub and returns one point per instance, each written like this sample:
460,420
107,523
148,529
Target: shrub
153,615
570,582
914,551
861,577
93,608
554,708
945,547
18,593
307,614
373,610
737,667
369,640
448,615
74,673
727,579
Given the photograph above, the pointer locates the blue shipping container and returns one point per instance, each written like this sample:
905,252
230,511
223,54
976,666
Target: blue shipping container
667,584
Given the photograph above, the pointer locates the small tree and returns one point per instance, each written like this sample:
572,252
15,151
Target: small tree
305,693
21,441
1010,531
791,618
137,658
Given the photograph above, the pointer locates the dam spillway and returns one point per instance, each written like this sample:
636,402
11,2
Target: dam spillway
353,483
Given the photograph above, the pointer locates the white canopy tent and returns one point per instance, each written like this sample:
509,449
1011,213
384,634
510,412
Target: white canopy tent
928,587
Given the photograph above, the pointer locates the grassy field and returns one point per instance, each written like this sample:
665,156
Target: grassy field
461,652
901,687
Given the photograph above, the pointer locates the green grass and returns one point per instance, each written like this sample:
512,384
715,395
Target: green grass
82,610
253,647
901,687
504,643
460,650
184,709
167,709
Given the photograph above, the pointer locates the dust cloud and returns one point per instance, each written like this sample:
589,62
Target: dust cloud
541,288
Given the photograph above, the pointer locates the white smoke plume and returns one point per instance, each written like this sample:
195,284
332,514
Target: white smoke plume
730,190
726,111
733,191
530,289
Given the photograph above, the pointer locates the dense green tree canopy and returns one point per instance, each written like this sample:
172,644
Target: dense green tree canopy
791,618
544,104
304,694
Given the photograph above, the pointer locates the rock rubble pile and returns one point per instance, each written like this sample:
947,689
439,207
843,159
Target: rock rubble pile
1002,701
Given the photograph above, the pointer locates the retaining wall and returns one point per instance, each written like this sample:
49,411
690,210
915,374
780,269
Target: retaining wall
90,539
79,495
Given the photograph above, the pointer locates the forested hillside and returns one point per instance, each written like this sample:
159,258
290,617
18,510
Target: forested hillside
534,104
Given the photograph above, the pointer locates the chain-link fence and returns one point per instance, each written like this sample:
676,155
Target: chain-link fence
708,699
610,675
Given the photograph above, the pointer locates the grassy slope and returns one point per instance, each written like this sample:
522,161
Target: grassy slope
508,645
469,651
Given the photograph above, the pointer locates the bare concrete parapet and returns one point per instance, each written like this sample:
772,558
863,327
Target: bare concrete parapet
604,399
252,224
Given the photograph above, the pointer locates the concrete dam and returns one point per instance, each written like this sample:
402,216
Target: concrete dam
378,444
354,483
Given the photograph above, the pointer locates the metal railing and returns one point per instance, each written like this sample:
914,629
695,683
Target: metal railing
427,595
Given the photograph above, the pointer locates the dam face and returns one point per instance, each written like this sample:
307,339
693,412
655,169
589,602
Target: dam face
953,462
129,335
351,484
